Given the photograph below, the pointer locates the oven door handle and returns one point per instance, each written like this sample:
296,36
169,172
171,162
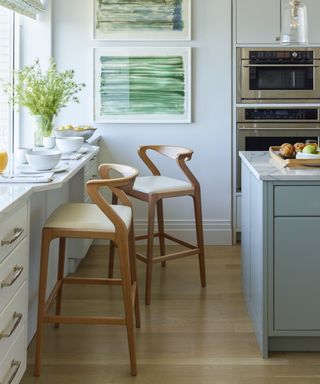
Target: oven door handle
277,129
280,65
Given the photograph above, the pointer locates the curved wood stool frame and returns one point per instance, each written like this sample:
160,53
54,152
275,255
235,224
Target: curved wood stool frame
155,202
123,237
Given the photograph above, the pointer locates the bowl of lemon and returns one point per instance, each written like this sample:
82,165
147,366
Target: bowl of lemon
85,131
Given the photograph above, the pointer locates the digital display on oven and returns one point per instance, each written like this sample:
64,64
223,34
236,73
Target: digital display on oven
287,114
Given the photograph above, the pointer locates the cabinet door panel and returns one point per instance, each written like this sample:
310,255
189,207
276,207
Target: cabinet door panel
296,273
313,9
258,21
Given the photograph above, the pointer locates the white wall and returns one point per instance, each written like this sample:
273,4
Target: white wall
210,133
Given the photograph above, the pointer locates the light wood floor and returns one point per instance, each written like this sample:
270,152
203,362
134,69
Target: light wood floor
189,334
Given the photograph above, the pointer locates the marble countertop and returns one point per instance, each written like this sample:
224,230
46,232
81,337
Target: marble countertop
266,169
12,195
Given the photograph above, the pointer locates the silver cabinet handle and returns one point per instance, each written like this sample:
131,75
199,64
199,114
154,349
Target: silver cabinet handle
12,326
280,65
8,281
14,367
17,232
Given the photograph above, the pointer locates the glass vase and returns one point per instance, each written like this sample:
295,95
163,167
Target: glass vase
43,128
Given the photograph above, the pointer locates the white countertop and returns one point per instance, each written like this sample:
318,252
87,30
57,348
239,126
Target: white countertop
12,195
266,169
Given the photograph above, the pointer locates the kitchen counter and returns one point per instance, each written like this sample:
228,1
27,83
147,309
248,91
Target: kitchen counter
35,202
280,221
12,195
264,168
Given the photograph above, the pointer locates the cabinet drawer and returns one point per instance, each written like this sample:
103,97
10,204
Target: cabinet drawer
297,201
13,272
12,230
13,318
13,365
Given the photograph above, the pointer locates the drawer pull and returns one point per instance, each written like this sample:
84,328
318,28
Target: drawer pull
15,365
14,275
17,232
12,326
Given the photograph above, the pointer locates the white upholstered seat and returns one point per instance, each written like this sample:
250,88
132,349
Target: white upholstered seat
87,217
160,184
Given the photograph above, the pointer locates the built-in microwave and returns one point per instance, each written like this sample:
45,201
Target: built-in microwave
270,75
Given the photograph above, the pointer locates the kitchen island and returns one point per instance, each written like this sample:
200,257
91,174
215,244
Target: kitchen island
280,257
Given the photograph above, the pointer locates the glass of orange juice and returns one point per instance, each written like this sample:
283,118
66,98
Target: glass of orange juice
3,159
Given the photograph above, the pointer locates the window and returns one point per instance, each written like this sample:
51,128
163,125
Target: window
6,66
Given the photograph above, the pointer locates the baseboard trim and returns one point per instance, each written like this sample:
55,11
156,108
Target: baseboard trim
216,232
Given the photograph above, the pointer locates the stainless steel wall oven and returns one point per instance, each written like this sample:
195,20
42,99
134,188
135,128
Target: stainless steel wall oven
270,75
259,128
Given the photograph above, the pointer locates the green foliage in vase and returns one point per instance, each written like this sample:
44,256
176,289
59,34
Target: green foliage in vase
43,94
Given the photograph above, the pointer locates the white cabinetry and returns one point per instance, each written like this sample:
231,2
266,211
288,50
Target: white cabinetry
14,248
259,21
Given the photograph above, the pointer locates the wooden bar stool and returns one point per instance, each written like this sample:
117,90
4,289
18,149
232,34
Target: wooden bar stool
153,189
95,221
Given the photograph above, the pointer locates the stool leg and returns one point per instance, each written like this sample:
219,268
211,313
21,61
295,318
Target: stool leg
161,230
112,245
62,252
111,259
151,212
133,269
199,230
45,244
128,301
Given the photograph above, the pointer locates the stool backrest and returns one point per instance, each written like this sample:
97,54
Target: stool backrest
117,185
179,154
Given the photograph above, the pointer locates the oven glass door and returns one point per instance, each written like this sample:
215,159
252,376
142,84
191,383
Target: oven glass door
278,78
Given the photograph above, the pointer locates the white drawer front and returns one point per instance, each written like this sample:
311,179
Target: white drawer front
13,365
13,318
12,230
13,272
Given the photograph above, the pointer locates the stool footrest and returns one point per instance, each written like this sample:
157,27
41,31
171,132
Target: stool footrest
84,320
91,281
141,257
168,257
176,255
144,237
181,242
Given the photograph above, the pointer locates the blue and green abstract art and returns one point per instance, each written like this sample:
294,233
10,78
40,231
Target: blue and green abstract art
142,19
145,85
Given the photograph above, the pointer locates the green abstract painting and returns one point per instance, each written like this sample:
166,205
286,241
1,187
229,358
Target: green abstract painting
145,84
142,19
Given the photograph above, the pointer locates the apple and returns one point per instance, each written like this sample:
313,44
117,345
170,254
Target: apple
310,149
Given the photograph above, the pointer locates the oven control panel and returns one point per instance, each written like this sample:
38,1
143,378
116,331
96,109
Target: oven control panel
281,57
284,114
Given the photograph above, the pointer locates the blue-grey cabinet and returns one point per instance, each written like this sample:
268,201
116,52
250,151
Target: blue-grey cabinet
281,262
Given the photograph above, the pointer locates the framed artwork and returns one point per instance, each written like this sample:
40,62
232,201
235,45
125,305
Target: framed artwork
142,20
142,85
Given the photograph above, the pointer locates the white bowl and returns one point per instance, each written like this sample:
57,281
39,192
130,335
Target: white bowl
69,144
43,160
84,131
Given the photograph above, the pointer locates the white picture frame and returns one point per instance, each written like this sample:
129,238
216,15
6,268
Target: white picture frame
172,25
123,87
